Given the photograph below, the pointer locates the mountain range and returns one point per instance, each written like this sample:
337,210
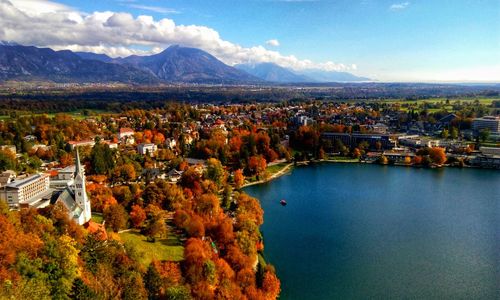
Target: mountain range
275,73
176,64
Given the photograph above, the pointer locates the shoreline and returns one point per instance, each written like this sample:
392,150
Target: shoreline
288,167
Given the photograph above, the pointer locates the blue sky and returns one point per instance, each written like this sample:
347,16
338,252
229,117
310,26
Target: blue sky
421,40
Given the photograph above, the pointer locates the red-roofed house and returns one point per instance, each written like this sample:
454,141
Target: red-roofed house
125,132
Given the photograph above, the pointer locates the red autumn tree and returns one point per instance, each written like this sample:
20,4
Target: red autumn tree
137,216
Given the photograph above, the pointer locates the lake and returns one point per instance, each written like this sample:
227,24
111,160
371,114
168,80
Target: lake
357,231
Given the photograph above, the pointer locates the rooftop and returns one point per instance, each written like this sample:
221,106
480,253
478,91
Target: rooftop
22,182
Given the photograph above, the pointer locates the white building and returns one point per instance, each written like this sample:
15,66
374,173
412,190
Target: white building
30,191
64,178
149,149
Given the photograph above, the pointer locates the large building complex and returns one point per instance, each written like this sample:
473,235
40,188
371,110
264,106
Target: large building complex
29,191
381,141
487,122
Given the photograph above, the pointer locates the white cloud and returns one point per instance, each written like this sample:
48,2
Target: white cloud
158,9
39,6
399,6
120,34
273,42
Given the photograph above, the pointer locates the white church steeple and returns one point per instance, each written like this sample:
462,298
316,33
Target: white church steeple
80,191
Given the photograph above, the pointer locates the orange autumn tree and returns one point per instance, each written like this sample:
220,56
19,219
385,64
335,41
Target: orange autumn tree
257,165
101,197
239,178
437,155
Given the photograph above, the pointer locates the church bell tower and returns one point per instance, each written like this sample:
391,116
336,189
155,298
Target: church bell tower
81,197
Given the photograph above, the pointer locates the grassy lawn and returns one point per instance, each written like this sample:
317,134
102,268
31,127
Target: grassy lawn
170,249
97,218
275,168
343,159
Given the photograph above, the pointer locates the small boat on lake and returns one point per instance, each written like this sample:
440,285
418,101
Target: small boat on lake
283,202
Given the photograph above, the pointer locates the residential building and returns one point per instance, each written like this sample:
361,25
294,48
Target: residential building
174,175
148,148
125,132
111,144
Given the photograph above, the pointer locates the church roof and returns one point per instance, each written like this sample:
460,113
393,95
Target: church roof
67,198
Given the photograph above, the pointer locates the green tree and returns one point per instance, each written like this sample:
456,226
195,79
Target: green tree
153,282
445,133
454,133
61,265
484,134
215,171
227,197
101,159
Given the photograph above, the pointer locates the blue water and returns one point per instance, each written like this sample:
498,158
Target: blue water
353,231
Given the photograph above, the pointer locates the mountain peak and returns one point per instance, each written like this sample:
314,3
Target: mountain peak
183,64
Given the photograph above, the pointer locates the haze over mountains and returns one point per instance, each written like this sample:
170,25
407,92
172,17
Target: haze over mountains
175,64
275,73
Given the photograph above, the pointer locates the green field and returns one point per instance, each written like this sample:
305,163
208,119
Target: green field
276,168
77,114
169,249
97,218
486,101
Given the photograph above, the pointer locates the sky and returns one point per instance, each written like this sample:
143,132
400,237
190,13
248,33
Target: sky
419,40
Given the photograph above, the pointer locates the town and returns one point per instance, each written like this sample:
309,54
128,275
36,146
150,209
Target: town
162,144
171,177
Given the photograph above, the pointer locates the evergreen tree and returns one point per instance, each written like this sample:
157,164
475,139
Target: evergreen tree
153,283
81,291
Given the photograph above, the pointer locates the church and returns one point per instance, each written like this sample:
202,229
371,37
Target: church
74,196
